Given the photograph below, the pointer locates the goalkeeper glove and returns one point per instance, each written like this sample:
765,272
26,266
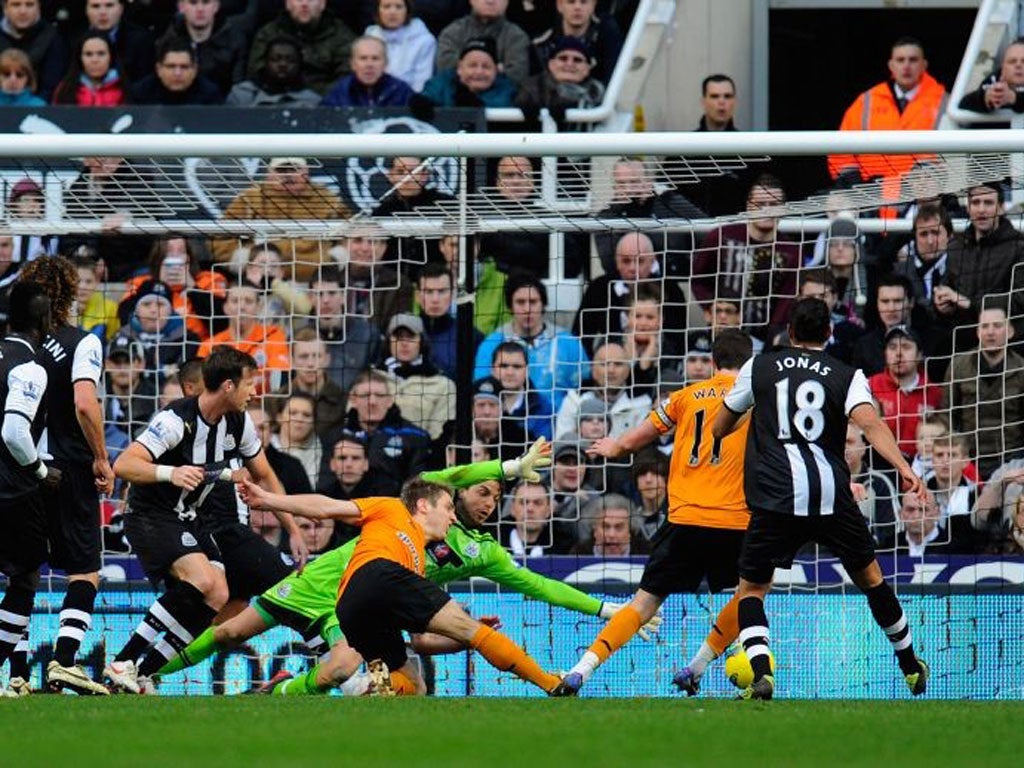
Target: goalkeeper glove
650,628
537,457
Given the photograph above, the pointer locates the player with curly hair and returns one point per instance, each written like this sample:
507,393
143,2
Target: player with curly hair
73,360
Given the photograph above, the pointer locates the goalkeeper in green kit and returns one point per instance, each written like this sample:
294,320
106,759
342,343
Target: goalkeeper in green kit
306,601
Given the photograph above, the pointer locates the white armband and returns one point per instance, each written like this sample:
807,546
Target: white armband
163,473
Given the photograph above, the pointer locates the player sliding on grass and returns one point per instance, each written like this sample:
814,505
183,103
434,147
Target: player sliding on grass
383,591
307,600
798,482
707,517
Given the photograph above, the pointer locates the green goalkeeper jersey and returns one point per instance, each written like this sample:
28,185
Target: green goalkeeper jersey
464,553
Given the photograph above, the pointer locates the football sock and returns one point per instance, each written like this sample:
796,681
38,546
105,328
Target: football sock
889,615
75,619
726,627
754,635
19,658
505,655
15,610
181,614
302,685
402,684
704,656
616,633
203,647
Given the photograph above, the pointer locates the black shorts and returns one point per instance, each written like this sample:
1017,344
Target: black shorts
73,520
252,564
158,540
22,534
380,600
773,540
682,556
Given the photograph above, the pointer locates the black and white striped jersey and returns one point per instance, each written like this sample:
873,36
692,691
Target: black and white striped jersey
223,507
795,462
23,392
179,436
69,355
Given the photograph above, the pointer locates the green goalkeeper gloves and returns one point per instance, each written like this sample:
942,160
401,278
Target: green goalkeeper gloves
525,467
650,628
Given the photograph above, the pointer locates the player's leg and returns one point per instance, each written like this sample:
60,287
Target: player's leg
753,622
342,663
189,606
718,551
407,680
232,633
16,609
616,633
847,535
23,548
72,513
771,541
451,621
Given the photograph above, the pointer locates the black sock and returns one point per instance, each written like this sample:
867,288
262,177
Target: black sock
183,613
19,658
889,615
754,635
75,619
15,610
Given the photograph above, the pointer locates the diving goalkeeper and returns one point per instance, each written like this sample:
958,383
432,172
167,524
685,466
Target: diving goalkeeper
307,602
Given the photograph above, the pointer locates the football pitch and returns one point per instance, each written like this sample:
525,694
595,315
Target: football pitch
262,732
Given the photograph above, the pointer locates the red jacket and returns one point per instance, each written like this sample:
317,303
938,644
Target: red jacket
108,94
901,410
876,110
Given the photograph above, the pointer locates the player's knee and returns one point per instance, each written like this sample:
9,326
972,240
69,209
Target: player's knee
214,587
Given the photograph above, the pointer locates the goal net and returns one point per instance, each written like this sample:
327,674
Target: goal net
562,287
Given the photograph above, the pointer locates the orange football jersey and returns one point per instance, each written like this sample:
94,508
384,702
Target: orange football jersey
705,478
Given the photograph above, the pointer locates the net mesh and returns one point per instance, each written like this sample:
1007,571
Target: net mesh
635,271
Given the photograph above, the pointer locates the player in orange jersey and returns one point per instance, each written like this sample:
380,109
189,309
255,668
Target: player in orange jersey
707,516
383,591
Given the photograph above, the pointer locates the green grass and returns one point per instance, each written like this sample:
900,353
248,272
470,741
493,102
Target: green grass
259,732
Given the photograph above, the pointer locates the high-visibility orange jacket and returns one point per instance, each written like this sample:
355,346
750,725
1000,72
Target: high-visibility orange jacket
876,110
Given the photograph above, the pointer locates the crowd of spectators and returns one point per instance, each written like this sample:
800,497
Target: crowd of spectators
357,339
307,53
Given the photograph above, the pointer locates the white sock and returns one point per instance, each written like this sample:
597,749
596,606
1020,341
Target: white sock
705,655
356,685
586,665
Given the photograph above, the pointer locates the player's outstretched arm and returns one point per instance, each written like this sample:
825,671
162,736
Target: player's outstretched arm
630,442
263,474
878,434
537,456
311,505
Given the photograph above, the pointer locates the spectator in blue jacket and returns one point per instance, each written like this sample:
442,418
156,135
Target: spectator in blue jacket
475,82
368,85
558,362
